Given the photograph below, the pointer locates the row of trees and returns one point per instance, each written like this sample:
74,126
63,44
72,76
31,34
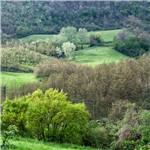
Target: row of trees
97,87
20,59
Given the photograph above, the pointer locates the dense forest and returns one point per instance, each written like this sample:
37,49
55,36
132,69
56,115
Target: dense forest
25,18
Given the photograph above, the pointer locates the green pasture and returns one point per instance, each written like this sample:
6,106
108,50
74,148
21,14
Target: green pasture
107,35
9,78
98,55
37,37
30,144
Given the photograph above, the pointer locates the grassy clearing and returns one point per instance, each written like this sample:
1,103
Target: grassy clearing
107,36
97,55
38,37
30,144
9,78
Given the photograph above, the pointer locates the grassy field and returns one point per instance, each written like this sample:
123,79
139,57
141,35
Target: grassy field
9,78
30,144
97,55
107,36
38,37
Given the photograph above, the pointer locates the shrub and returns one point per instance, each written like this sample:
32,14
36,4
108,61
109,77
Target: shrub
95,39
6,135
96,136
131,47
14,113
48,117
135,129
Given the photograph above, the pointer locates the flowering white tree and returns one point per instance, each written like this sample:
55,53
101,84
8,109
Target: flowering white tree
58,51
68,48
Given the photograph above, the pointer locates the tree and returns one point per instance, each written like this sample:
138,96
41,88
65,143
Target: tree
133,22
70,33
52,118
68,48
123,35
48,117
96,39
82,36
58,40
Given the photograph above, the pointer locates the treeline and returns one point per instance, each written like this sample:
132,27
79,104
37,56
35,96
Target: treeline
116,95
20,19
97,87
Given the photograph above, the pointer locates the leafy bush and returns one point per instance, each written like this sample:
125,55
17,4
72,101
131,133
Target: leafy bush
131,47
6,135
95,39
97,135
48,117
14,113
134,129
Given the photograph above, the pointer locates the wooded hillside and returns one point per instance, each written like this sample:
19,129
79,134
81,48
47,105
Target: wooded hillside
25,18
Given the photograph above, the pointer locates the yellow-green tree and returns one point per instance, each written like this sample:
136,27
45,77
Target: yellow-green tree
47,116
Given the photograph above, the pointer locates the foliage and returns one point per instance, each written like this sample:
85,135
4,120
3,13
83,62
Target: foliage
70,33
17,58
68,49
82,36
50,17
95,39
134,130
97,87
131,47
14,113
97,135
48,117
7,135
134,41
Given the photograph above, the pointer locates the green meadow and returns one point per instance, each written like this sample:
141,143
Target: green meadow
98,55
37,37
107,36
31,144
11,78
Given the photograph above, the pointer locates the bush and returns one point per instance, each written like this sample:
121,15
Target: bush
97,135
14,113
48,117
134,130
132,42
131,47
96,39
6,135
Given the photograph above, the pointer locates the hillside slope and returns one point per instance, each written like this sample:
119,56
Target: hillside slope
20,19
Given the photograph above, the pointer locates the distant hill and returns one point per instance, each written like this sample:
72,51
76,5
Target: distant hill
24,18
